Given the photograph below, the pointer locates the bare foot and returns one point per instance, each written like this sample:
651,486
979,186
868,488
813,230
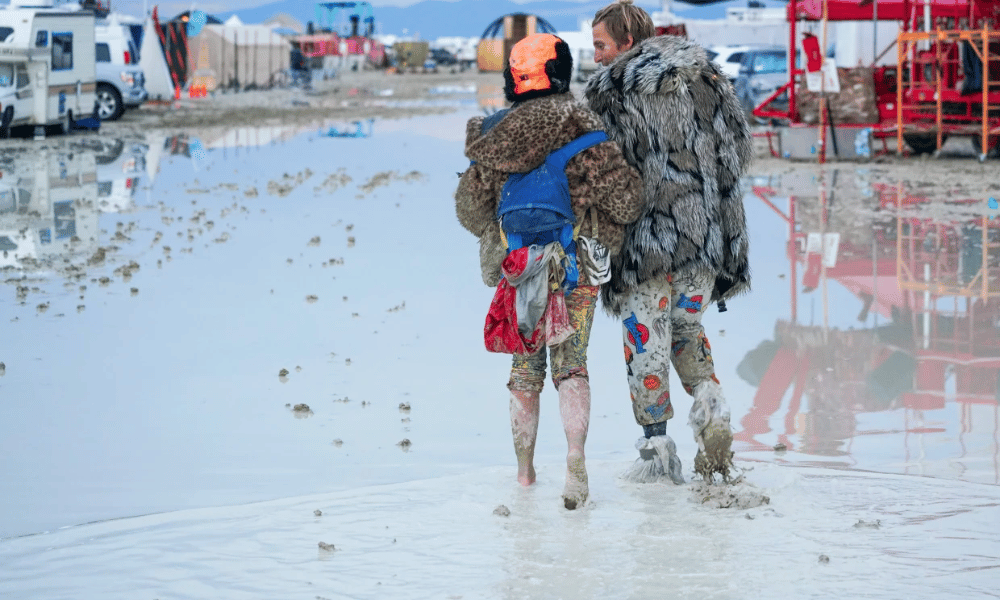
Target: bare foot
577,489
526,476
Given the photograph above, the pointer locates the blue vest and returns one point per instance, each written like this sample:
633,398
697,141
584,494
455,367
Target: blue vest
535,207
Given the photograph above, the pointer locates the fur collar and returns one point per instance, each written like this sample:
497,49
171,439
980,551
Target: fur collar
528,133
658,65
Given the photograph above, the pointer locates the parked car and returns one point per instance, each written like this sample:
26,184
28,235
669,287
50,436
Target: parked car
442,57
729,57
762,71
585,65
120,79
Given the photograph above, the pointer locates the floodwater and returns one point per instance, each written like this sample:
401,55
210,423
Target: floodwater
210,336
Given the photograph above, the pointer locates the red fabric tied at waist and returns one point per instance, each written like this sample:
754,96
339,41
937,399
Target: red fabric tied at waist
501,333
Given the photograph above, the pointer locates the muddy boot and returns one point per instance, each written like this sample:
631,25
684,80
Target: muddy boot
524,426
709,419
574,408
657,457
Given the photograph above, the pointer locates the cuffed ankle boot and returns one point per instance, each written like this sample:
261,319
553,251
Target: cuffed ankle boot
657,458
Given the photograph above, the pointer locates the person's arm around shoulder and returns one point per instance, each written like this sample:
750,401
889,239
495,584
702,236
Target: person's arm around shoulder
608,182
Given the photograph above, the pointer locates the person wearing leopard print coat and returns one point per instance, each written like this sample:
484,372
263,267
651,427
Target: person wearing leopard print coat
606,195
678,121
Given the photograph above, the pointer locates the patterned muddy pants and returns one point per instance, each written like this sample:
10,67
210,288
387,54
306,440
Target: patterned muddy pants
662,324
569,359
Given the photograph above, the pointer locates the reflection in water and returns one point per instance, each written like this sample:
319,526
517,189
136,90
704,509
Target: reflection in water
356,129
48,211
923,275
51,198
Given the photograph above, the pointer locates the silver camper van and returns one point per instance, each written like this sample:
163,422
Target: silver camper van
46,64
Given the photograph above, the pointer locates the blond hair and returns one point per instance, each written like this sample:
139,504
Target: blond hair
622,19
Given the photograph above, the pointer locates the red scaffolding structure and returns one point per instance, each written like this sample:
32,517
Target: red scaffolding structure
946,80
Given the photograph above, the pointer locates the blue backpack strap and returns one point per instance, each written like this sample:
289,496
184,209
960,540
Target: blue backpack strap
572,268
490,122
558,158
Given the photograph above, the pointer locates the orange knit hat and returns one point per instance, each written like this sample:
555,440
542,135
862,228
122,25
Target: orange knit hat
527,62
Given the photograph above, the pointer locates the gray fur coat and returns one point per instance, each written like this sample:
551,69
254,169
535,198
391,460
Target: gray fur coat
678,121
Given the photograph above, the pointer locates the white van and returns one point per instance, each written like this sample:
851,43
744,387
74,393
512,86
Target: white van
47,74
120,79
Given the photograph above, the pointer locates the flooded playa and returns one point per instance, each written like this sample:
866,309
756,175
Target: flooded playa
246,361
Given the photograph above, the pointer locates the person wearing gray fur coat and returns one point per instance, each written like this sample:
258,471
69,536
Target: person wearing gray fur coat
678,121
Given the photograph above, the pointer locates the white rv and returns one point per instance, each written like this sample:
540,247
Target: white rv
46,64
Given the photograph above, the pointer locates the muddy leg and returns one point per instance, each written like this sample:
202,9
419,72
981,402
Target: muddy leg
524,426
574,408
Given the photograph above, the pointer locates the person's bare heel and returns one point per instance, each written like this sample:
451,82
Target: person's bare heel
577,487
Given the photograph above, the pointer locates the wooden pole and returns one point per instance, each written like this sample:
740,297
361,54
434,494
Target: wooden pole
874,32
822,90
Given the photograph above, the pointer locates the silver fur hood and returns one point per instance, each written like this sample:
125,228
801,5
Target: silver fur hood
678,121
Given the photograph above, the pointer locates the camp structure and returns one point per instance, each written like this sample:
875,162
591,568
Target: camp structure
235,55
501,35
341,39
182,55
47,65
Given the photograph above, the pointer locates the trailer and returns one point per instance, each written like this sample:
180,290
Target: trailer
946,80
47,65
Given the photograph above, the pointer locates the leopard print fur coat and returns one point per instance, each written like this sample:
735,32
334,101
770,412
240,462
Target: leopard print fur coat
678,121
598,177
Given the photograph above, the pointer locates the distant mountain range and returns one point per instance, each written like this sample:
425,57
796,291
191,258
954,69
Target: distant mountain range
432,19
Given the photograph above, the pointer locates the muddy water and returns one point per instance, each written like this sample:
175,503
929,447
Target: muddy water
175,297
878,344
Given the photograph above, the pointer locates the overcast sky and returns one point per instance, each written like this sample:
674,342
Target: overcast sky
172,7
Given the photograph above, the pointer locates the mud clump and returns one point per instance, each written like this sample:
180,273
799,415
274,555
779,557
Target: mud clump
862,524
314,241
824,559
3,369
312,298
779,447
738,495
302,411
501,511
317,513
326,547
404,407
405,444
98,257
717,456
